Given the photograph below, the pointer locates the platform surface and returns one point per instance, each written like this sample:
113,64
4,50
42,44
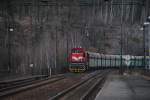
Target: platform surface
126,87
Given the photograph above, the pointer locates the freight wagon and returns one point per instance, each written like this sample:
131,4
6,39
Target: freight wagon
81,60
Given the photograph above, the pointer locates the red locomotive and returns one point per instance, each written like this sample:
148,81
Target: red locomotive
77,60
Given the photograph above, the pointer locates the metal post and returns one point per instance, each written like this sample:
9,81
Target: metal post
110,63
144,63
67,48
115,62
56,56
121,67
9,50
149,46
56,43
68,36
10,30
101,62
97,63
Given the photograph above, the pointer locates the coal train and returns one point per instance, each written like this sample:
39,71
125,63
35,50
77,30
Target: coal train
81,60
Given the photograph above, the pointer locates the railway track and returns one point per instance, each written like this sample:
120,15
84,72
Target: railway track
81,90
12,87
6,85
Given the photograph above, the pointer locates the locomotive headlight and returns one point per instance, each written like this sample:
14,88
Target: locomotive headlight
80,57
74,58
77,58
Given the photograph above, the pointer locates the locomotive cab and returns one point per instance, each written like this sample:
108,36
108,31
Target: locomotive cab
77,60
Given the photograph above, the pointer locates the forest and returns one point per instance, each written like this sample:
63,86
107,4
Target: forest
37,35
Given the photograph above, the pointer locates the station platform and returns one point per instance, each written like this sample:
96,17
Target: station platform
125,87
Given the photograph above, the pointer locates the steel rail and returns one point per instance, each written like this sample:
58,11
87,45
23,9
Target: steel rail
26,86
77,85
91,89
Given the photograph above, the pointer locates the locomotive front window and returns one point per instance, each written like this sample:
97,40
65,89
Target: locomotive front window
76,51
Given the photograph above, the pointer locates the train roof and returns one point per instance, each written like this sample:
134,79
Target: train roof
127,57
93,54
